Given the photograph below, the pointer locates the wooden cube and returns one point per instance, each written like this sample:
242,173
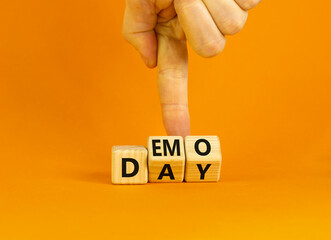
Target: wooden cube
129,165
203,159
166,159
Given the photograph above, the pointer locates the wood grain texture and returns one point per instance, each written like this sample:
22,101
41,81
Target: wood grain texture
139,153
168,154
203,162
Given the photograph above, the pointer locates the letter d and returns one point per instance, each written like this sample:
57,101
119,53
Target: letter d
135,170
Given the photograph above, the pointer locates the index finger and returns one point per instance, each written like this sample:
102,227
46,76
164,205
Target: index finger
172,80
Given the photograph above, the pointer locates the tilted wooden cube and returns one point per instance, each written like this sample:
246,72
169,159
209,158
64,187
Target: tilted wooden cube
129,165
166,159
203,159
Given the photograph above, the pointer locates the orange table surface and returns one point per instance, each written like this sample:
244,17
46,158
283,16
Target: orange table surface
71,88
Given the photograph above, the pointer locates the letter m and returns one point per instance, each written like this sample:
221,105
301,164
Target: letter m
167,147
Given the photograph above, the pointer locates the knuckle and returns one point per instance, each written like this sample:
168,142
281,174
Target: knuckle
212,48
172,73
183,5
127,36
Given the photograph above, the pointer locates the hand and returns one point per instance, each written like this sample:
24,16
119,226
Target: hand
158,29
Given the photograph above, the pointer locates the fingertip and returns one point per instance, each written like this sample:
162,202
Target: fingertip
176,120
211,48
149,62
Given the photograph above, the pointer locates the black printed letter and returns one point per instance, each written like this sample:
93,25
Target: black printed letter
196,146
166,146
203,171
170,174
135,170
154,142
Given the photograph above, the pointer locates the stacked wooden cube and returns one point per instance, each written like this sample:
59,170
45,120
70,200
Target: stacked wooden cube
168,159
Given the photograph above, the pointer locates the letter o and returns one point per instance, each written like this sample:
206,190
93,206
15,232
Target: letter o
196,147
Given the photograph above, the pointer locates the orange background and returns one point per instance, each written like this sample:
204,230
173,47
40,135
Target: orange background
71,87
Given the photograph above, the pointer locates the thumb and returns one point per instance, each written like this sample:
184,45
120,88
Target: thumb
138,29
172,79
